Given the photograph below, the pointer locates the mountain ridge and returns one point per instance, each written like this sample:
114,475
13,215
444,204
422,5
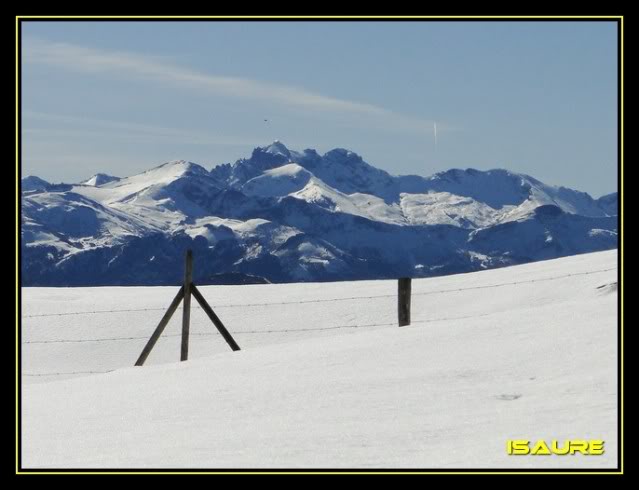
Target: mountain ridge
289,216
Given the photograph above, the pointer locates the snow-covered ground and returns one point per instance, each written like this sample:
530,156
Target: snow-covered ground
316,386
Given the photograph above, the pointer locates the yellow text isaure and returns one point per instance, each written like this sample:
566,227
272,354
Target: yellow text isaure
522,447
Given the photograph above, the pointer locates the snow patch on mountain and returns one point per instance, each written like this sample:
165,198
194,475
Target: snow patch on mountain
279,181
99,179
214,229
501,188
72,223
445,208
163,197
278,148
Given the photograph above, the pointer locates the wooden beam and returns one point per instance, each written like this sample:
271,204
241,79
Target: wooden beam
160,328
216,321
403,301
186,310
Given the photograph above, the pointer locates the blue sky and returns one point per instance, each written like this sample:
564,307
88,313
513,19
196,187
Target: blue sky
120,97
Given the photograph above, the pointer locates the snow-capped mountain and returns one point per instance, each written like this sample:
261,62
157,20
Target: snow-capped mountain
609,203
299,216
33,183
100,179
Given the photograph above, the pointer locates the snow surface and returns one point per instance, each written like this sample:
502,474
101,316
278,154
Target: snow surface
533,360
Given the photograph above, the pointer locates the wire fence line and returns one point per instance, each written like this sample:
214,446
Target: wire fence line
431,320
206,334
269,331
238,305
286,330
67,374
514,283
96,312
329,300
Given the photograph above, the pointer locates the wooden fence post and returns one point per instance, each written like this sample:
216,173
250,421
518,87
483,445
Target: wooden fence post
216,321
160,328
403,301
185,292
186,312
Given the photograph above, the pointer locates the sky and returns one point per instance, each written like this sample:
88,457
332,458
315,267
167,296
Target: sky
538,98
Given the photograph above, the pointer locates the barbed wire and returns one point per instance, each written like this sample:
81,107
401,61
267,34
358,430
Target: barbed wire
252,332
514,283
94,312
69,373
419,321
203,334
328,300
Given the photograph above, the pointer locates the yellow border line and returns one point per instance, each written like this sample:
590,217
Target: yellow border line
408,472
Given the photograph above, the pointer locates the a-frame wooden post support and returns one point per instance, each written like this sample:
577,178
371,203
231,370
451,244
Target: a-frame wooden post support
185,292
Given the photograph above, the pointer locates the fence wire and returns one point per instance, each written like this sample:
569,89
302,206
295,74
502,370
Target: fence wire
285,330
269,331
327,300
205,334
68,374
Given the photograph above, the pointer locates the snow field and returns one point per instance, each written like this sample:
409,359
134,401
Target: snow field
479,365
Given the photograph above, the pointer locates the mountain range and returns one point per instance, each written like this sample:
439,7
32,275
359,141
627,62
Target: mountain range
287,216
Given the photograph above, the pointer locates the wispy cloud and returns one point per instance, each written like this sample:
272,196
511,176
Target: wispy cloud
76,125
152,69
